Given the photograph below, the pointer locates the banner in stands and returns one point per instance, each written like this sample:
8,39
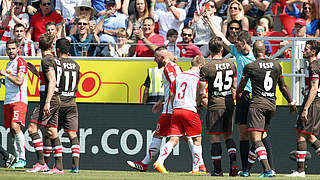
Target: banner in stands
111,81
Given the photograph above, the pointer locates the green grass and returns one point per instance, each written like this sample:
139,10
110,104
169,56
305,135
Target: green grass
9,174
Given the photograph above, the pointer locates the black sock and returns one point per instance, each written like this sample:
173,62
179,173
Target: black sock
267,144
232,151
316,146
244,151
301,148
216,152
75,148
4,153
262,155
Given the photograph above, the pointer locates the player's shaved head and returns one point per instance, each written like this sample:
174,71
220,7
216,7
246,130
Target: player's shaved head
259,47
197,61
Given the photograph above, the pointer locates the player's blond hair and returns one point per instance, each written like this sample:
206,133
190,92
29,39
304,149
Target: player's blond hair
197,61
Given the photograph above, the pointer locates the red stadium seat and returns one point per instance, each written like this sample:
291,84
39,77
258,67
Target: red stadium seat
275,44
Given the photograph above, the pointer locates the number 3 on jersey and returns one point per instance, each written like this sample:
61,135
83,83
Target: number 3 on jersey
182,90
223,84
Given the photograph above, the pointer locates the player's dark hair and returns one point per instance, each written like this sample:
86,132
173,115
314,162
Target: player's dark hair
19,25
245,36
215,45
45,41
198,60
160,48
172,32
11,41
314,45
63,45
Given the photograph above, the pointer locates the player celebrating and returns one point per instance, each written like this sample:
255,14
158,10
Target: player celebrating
308,121
264,74
221,75
185,119
16,100
46,113
68,112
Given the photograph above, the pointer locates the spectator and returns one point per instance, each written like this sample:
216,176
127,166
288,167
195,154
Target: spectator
233,28
14,16
99,6
173,18
40,19
33,6
261,32
187,48
222,8
66,8
121,49
141,11
84,9
111,22
191,9
147,40
81,42
172,36
258,12
235,12
317,6
25,46
201,29
51,29
5,5
308,13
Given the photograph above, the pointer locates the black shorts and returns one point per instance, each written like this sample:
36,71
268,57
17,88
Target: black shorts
312,126
242,107
259,119
68,118
50,120
220,121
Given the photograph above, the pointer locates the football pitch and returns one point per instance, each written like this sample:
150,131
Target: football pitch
12,174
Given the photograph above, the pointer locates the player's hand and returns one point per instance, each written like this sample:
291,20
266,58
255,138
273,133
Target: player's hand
46,109
293,108
304,115
2,72
156,108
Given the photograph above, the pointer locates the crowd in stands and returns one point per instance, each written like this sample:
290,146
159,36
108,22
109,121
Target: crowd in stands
120,28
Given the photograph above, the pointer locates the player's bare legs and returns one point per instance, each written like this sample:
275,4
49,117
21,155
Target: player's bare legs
75,148
18,142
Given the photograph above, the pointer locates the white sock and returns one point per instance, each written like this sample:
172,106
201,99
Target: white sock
190,145
164,152
19,138
152,151
197,150
15,147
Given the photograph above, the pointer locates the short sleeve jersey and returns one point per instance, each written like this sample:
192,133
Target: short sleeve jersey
48,63
219,74
242,60
314,73
185,90
170,72
70,77
265,74
14,93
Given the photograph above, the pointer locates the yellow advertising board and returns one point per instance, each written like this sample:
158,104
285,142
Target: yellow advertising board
109,81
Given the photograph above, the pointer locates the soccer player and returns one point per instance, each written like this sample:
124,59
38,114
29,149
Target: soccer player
68,112
308,123
7,157
164,59
16,100
221,75
46,113
185,119
243,52
264,74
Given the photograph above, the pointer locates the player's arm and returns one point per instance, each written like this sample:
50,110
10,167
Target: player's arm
286,94
146,89
17,80
314,84
156,107
51,76
201,93
241,87
234,84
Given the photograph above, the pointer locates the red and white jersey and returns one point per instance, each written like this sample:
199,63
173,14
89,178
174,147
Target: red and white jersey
170,72
14,93
185,90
